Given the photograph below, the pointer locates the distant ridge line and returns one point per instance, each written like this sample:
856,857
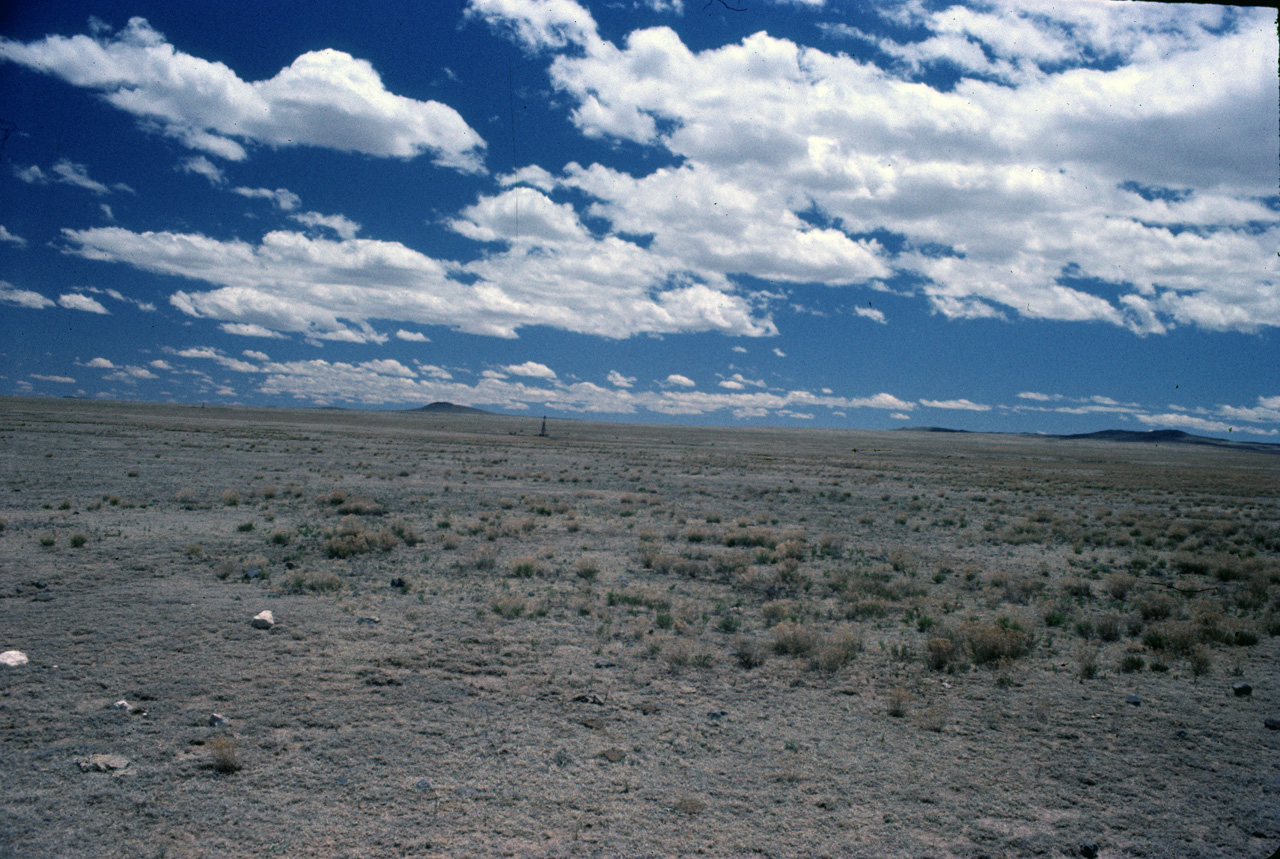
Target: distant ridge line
443,408
1160,436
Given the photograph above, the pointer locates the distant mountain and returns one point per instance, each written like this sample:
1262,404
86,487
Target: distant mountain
929,429
449,409
1168,436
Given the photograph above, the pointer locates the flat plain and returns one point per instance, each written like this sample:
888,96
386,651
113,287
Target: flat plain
625,640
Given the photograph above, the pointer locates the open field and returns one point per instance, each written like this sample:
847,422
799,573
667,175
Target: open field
628,641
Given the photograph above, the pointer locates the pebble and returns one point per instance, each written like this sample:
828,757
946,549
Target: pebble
264,620
367,621
1241,689
614,756
252,573
690,806
1271,724
1089,849
398,583
217,720
604,663
125,707
1134,700
13,658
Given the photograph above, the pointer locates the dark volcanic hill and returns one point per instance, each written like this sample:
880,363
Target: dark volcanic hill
1169,436
450,409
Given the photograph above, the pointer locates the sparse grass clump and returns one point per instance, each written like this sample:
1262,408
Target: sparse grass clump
837,649
48,539
1132,663
223,755
78,540
1087,662
230,498
995,642
794,639
750,652
312,582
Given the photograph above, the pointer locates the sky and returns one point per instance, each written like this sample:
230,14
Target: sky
1033,216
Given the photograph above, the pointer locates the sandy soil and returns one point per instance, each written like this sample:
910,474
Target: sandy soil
627,641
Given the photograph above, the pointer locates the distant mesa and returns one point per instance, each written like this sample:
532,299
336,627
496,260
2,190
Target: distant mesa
930,429
443,408
1170,436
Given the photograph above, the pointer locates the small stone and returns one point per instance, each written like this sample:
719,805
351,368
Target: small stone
593,724
614,756
1271,724
690,806
253,573
422,784
217,720
717,714
1089,849
103,763
122,705
561,758
604,663
1134,700
13,658
398,584
1241,689
263,620
368,621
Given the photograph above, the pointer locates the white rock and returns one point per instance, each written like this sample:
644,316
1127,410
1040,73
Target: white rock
103,763
217,720
122,705
263,620
13,658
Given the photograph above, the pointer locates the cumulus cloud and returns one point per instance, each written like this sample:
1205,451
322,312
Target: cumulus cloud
67,172
531,369
9,294
80,301
325,289
412,336
282,197
385,382
343,226
101,364
61,380
679,381
620,381
1010,193
324,98
202,166
959,404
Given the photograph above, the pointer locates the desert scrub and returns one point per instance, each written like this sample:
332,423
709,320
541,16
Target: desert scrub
230,498
526,568
939,652
280,537
78,540
995,642
794,639
223,755
48,539
312,582
837,649
1086,662
509,606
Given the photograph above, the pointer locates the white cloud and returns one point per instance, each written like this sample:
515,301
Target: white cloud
959,404
282,197
254,355
679,381
202,166
160,364
870,313
329,289
66,172
531,369
9,294
620,381
412,336
1039,397
80,301
101,364
1197,424
538,24
7,237
779,353
248,329
343,226
325,98
1009,190
62,380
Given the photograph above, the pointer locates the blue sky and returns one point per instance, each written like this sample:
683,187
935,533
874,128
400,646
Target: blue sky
1031,216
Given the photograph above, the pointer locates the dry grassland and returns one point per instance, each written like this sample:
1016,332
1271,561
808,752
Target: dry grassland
627,641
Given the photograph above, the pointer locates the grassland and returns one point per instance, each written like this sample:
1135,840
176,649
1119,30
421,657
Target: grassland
628,640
